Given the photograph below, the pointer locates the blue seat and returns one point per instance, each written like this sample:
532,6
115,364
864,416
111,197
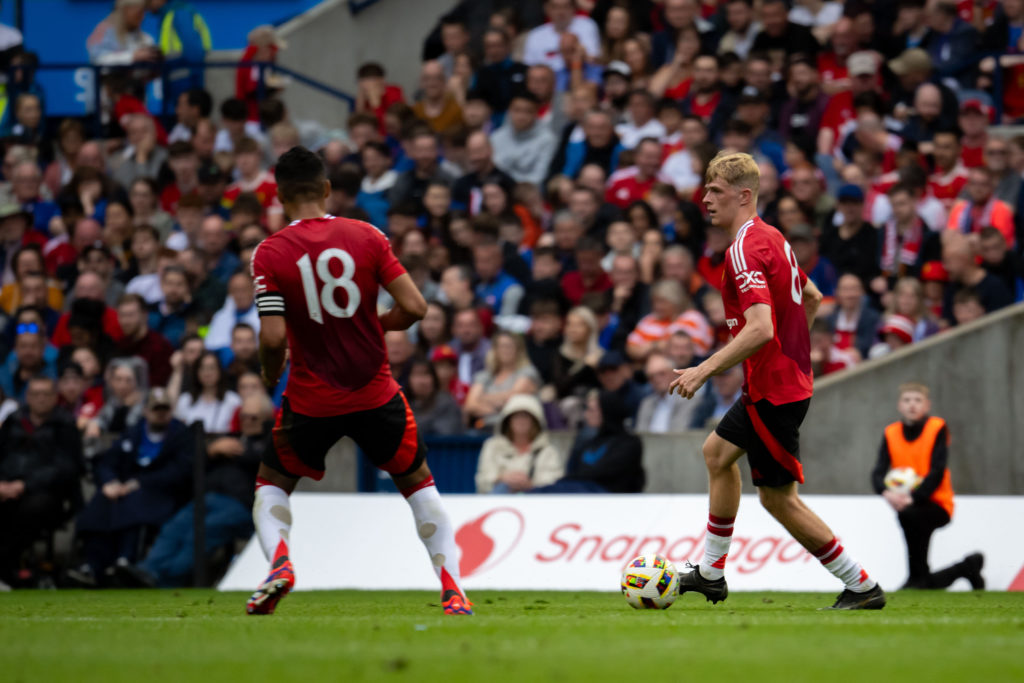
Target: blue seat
452,461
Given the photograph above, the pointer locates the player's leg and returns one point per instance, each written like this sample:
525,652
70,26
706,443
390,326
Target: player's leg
810,531
391,440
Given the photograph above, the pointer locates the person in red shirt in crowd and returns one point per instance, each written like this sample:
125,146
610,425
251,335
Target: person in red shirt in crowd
252,178
834,63
61,252
263,47
862,74
980,209
975,116
853,324
89,286
445,362
711,264
184,164
375,94
907,242
826,356
139,340
706,94
589,276
769,306
634,183
950,176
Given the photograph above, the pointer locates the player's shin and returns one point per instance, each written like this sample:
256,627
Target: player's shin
272,515
435,530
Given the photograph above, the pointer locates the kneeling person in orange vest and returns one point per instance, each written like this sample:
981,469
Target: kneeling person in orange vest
911,474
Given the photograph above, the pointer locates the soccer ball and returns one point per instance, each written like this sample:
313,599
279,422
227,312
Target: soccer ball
902,479
650,582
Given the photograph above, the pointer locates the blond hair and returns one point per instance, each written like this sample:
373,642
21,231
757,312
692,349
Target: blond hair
914,387
736,169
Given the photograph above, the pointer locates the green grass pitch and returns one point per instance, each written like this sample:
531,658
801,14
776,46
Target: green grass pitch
202,635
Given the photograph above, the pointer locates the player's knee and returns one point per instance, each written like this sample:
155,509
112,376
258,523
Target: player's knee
714,458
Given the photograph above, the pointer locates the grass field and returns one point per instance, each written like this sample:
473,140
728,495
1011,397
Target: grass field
202,635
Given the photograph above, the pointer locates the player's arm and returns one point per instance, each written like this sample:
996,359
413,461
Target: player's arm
409,307
812,300
757,332
273,348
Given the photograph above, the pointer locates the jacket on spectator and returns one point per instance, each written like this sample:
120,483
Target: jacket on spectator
224,321
48,458
524,155
155,350
679,415
542,463
162,479
995,213
614,458
441,416
11,385
575,155
867,328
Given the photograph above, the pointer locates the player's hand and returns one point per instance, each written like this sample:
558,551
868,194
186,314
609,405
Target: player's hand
689,382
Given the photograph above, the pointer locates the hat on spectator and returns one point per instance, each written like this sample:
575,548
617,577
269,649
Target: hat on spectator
850,192
934,271
158,398
900,325
611,359
863,63
911,60
977,106
619,68
751,95
443,352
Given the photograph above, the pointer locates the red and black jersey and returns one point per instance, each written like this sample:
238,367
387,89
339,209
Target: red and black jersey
760,268
323,275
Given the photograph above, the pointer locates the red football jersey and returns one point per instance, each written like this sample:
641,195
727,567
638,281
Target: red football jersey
760,268
323,275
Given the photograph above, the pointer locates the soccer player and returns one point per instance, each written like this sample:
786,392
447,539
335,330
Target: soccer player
769,306
316,287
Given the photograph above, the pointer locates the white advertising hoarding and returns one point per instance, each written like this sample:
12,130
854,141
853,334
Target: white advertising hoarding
581,542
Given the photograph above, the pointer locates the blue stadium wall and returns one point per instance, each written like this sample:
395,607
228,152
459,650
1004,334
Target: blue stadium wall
57,30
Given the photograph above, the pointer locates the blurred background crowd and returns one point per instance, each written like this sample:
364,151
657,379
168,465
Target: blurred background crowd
542,185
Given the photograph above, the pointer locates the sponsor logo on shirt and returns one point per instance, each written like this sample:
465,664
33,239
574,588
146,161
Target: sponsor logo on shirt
258,284
732,322
750,279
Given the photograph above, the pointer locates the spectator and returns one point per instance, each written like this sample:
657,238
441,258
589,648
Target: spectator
40,463
634,183
252,177
15,232
126,379
214,237
27,261
141,481
519,457
588,276
175,313
951,44
707,99
826,357
849,242
412,184
75,396
818,269
680,165
25,361
208,400
501,76
853,323
469,343
523,146
263,46
1006,176
670,311
239,307
980,209
717,397
497,289
378,181
191,107
958,257
142,158
146,210
435,408
507,372
145,250
896,332
908,300
139,340
231,465
26,186
615,374
640,121
600,145
119,39
999,260
184,164
679,15
401,353
610,461
661,412
920,442
907,242
437,106
781,37
967,306
742,28
480,160
801,115
542,42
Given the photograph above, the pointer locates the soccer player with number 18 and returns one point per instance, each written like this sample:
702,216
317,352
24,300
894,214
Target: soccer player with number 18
316,287
769,306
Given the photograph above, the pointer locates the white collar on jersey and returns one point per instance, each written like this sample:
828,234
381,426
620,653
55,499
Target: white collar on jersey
326,215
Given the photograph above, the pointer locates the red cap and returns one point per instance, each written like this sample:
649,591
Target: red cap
934,271
443,352
900,325
978,106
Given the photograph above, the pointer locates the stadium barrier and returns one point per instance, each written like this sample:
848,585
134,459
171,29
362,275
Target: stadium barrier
582,542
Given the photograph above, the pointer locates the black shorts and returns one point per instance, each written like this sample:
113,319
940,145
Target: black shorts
770,435
386,434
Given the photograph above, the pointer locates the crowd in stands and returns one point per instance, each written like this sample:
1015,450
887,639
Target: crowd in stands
542,186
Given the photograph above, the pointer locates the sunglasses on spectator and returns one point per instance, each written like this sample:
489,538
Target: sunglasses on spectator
26,328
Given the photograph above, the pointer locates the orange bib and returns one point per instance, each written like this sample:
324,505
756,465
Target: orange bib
917,455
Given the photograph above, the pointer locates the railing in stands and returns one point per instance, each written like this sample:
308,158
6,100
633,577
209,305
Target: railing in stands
166,68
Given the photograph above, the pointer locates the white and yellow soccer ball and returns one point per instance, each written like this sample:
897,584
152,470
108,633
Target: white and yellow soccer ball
650,582
902,479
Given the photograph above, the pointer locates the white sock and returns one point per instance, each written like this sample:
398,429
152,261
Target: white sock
272,515
835,559
435,530
716,547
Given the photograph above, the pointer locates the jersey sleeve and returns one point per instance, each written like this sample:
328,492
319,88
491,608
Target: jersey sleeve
745,265
388,266
269,300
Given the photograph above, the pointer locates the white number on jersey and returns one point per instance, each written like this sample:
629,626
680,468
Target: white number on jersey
320,299
795,290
